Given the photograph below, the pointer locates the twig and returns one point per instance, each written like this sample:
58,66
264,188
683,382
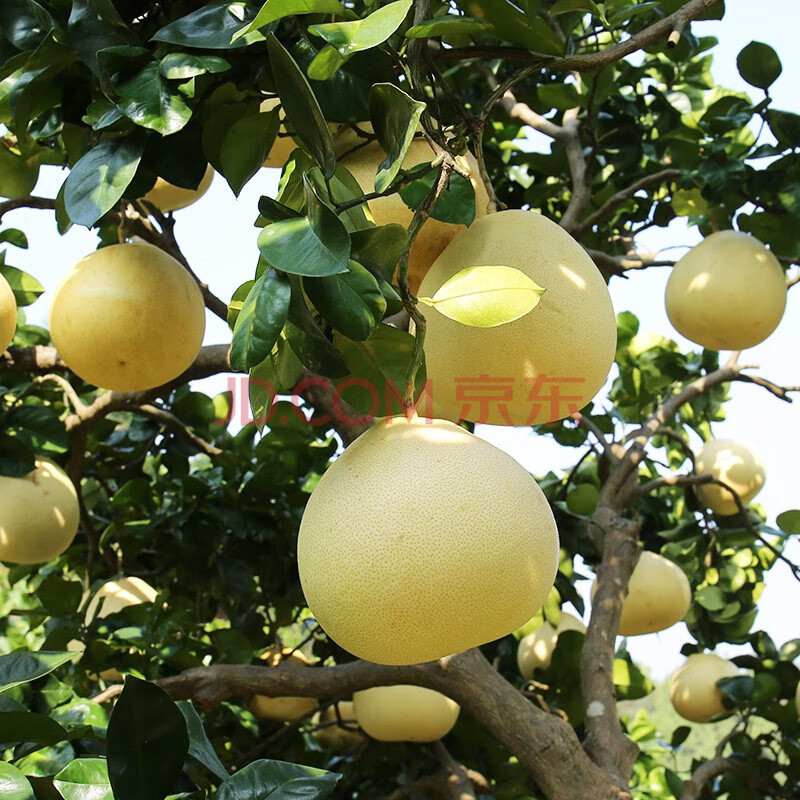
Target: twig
710,769
590,425
173,423
26,202
578,170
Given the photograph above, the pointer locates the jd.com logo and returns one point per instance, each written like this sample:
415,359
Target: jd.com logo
475,396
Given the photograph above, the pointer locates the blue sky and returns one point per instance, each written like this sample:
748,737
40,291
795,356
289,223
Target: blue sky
218,238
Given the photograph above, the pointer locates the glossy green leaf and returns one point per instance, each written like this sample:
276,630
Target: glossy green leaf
263,315
351,302
448,25
485,297
25,666
95,25
785,125
274,10
278,373
380,247
181,66
18,175
25,287
16,457
456,204
759,65
146,744
559,95
14,237
315,245
567,6
148,100
84,779
26,726
98,181
212,27
200,747
789,522
689,203
13,784
629,681
303,114
246,147
326,64
278,780
395,117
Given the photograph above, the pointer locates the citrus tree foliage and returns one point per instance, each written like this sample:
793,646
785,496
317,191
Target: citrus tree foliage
122,93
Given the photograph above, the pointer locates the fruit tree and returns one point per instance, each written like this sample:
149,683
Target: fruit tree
354,595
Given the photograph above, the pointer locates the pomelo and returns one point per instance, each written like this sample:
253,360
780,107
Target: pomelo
733,463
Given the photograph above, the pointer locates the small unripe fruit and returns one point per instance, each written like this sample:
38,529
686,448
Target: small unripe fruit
128,317
727,293
167,197
282,709
39,514
535,651
732,463
405,713
8,314
693,688
422,540
337,733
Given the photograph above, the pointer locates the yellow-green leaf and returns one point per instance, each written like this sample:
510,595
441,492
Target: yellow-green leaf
485,297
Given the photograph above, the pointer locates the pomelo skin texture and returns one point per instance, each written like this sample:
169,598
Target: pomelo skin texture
167,197
733,463
422,540
8,314
727,293
405,713
39,514
128,317
659,595
693,688
332,736
571,335
535,651
434,235
282,709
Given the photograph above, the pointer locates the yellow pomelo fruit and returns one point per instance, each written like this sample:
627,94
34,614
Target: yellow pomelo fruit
733,463
167,197
405,713
422,540
659,595
535,651
8,315
39,514
435,235
693,688
727,293
282,709
541,367
332,735
128,317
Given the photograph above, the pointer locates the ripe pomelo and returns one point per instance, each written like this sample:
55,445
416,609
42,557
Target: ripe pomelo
39,514
535,651
693,688
541,367
405,713
422,540
167,197
8,315
338,733
128,317
733,463
282,709
727,293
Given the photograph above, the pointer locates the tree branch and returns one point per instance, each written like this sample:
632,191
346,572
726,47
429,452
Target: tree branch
26,202
578,170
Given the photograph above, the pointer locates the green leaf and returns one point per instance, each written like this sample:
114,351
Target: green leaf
95,25
14,237
212,27
711,598
448,25
629,681
485,297
98,181
785,126
246,147
25,287
559,95
13,784
26,726
759,65
680,735
260,321
351,302
789,522
18,175
26,666
274,10
181,66
277,374
567,6
278,780
200,748
456,204
325,64
395,116
363,34
515,26
16,457
316,245
380,247
84,779
148,100
689,203
147,742
303,114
